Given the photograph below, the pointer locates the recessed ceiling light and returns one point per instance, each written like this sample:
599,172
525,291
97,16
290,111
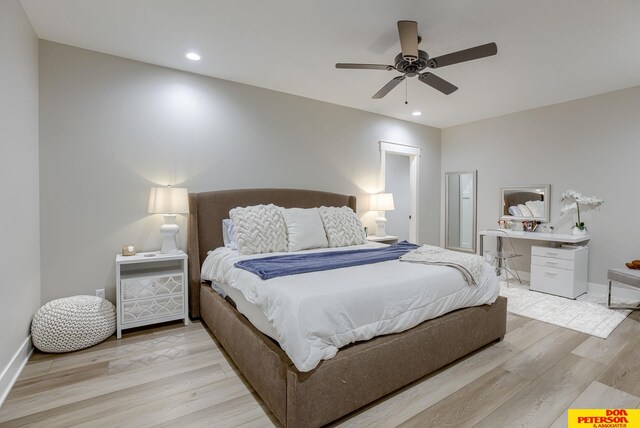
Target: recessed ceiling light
416,113
193,56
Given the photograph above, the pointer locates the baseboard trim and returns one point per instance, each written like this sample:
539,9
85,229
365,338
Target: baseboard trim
14,368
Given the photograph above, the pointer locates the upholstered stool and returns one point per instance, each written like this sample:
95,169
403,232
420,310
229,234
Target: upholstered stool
624,276
72,323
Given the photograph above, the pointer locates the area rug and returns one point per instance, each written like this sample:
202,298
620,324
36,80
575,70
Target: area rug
579,315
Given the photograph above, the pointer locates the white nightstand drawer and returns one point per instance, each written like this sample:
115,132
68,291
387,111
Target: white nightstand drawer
551,262
556,253
145,286
553,281
158,307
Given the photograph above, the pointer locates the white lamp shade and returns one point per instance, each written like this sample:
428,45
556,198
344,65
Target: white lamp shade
382,202
168,200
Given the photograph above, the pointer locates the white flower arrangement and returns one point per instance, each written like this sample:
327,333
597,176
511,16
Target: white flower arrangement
576,200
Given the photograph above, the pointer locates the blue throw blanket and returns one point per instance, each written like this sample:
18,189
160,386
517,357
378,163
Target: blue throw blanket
292,264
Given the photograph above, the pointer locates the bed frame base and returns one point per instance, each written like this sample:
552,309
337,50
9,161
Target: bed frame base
359,373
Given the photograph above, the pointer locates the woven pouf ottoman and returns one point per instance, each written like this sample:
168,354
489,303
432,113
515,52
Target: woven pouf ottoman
73,323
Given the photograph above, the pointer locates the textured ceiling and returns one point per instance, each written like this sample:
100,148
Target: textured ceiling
549,51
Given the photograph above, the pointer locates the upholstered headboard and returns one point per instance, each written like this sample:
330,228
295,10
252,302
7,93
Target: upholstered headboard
208,209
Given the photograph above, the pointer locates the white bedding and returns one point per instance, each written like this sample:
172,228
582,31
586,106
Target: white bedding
251,311
314,314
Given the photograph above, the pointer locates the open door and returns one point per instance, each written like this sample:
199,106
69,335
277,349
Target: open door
401,153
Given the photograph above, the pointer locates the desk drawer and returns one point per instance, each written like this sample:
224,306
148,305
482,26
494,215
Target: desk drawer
555,253
553,281
553,263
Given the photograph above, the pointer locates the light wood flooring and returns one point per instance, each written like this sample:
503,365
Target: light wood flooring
176,376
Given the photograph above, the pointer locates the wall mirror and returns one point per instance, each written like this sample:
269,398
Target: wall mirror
460,211
525,203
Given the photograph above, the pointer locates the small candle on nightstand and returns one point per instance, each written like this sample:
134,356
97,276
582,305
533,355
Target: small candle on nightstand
129,250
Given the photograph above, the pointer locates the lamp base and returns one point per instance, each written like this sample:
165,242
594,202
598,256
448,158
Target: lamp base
381,223
169,230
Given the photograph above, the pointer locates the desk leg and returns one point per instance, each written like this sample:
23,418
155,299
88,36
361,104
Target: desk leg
499,249
481,245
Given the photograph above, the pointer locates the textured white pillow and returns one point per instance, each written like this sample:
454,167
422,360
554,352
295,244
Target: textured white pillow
536,208
259,229
524,210
343,227
304,229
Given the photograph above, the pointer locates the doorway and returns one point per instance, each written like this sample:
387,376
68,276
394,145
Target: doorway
397,182
399,176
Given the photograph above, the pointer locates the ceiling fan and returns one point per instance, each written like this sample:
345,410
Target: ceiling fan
411,61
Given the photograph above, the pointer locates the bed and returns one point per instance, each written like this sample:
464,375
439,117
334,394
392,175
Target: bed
360,372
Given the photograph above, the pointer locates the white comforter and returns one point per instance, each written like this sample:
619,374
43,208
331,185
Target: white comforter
315,314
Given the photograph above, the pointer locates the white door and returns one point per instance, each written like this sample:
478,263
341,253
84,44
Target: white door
398,183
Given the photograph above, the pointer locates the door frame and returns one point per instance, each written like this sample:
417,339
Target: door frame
387,147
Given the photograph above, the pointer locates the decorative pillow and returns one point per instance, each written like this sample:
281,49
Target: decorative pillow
229,234
524,210
343,227
304,229
259,229
515,211
536,208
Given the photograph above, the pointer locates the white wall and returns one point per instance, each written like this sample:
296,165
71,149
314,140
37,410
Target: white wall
111,128
20,245
591,145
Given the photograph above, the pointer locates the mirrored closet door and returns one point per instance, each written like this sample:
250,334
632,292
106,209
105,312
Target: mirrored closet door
460,211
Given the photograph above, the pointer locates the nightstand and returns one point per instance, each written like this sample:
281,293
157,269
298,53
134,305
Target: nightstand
389,239
151,289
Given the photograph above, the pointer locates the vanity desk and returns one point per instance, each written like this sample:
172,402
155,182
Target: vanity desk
555,239
555,269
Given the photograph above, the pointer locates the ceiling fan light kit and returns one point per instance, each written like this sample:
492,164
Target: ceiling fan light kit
412,61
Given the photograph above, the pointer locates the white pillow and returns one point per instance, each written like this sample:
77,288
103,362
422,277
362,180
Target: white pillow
259,229
229,234
524,210
304,229
343,227
515,211
536,208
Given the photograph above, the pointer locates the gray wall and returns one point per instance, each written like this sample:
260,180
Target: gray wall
591,145
111,128
20,244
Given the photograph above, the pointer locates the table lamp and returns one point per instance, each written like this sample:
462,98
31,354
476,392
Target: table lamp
381,202
169,201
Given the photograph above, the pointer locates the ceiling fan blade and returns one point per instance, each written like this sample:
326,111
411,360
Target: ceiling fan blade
388,87
350,66
408,31
464,55
437,83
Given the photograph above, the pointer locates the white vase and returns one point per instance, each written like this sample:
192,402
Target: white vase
578,232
